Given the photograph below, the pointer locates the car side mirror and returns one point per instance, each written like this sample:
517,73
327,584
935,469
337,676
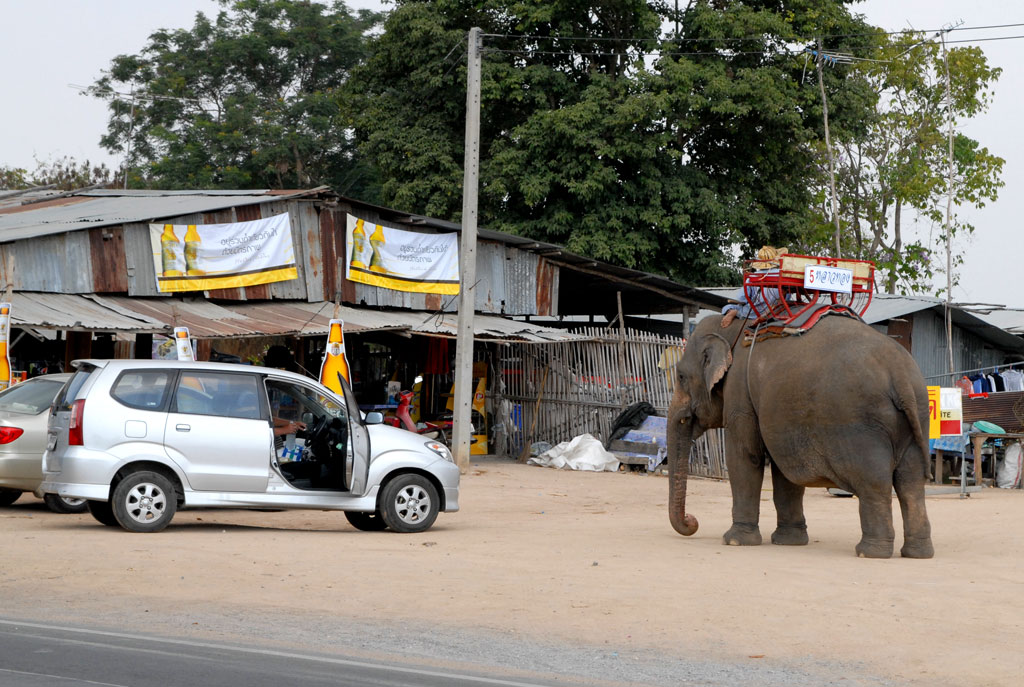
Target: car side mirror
374,418
307,418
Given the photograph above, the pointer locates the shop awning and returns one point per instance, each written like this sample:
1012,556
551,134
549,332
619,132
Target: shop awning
209,320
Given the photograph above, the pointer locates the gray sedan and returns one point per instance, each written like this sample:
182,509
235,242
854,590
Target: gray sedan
24,411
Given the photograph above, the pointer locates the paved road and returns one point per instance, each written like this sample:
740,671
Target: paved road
36,654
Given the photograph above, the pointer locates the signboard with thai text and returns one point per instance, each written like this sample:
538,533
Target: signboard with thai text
825,278
200,257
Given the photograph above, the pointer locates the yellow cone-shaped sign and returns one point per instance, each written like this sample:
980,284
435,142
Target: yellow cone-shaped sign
335,364
5,335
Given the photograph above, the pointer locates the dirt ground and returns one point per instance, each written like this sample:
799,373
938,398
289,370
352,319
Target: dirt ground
569,557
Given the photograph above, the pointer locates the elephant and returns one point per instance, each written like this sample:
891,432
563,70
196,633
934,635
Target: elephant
841,405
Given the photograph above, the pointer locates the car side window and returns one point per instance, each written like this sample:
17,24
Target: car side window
290,401
217,393
142,389
67,394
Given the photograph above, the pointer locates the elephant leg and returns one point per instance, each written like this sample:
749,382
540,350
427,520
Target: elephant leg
877,534
917,531
746,477
791,528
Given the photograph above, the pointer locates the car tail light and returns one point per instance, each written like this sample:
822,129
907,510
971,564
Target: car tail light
9,434
75,426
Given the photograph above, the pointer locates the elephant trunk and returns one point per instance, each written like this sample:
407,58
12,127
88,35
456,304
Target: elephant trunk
680,438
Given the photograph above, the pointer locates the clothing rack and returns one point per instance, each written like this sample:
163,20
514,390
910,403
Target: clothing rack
988,368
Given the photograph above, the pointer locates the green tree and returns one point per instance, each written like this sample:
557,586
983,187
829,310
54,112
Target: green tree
898,164
64,173
601,134
244,100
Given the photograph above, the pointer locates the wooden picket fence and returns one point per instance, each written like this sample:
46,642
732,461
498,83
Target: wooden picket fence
553,392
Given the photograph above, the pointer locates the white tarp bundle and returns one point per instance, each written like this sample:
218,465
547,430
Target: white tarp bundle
1009,471
581,453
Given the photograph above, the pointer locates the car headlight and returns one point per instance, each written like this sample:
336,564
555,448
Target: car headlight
440,449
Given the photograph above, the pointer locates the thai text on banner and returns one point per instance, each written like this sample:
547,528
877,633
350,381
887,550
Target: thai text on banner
401,260
200,257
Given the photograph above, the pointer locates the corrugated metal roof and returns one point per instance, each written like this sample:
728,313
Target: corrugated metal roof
1008,319
206,319
106,207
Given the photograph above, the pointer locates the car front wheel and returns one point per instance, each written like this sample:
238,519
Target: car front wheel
367,522
409,503
65,504
8,496
144,501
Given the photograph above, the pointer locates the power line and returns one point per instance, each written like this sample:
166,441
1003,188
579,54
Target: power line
637,39
839,57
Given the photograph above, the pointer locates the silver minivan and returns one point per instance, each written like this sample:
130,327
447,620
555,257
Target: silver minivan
139,439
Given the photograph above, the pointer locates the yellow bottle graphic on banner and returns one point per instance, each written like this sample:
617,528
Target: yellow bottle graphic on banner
170,251
192,242
335,363
376,241
358,245
183,344
5,335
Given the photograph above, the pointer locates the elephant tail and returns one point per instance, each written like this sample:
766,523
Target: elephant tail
909,400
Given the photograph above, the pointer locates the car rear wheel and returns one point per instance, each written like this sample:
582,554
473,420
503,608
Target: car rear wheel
103,512
409,503
65,504
144,501
367,522
8,496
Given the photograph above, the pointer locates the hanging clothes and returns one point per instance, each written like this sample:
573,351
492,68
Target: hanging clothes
437,357
1013,380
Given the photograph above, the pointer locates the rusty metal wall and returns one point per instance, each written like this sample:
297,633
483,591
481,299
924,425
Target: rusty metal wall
1004,408
59,263
118,259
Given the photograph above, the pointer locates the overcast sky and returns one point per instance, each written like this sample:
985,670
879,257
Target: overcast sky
46,46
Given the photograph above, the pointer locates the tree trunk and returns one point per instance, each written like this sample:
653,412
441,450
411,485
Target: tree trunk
897,245
679,441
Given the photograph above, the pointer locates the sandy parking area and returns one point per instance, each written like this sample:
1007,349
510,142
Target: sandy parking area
564,556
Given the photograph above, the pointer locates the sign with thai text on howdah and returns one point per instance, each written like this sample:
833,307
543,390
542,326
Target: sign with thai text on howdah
401,260
200,257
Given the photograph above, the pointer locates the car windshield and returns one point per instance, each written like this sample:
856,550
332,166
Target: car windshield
31,397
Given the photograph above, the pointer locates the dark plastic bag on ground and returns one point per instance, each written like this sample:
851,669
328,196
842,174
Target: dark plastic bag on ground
630,418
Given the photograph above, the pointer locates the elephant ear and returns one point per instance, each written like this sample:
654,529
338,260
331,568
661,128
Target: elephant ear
717,359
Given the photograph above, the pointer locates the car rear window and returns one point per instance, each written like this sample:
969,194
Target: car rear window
31,397
214,393
67,395
142,389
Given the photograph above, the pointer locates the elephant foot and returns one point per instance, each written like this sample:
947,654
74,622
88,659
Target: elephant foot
917,548
874,548
790,536
741,534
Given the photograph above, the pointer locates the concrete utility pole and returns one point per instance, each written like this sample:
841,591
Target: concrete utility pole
949,212
462,425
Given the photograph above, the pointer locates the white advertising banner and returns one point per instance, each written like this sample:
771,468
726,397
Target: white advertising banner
200,257
401,260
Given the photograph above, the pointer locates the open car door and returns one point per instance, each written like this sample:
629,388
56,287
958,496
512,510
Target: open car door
357,463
